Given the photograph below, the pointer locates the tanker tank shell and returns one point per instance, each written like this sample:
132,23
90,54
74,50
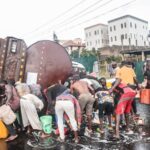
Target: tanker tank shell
47,62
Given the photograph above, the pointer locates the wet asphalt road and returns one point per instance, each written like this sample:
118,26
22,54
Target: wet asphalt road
127,142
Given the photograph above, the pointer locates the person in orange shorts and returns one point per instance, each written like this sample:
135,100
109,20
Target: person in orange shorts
124,105
124,76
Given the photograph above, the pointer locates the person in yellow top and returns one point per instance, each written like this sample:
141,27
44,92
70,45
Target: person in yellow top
128,77
126,74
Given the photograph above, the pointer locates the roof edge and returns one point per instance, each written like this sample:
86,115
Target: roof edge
130,16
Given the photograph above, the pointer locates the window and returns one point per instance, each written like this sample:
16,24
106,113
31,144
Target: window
125,25
101,31
122,37
86,35
111,39
129,41
121,26
96,42
110,28
115,38
125,36
131,35
90,43
135,26
131,24
102,41
114,28
136,42
13,46
89,33
95,32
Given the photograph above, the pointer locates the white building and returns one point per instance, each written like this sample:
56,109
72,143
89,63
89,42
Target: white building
96,36
128,30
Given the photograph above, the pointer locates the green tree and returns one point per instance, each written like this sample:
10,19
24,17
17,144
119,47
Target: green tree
75,54
110,59
87,58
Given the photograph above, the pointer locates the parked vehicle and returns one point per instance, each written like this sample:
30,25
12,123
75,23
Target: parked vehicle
78,67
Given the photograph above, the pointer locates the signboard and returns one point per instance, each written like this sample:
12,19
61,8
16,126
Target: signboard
31,78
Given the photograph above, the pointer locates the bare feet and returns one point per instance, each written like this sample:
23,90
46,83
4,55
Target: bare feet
116,137
11,138
44,135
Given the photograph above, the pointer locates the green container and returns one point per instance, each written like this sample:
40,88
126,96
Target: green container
46,124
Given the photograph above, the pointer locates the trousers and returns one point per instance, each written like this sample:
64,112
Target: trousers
67,107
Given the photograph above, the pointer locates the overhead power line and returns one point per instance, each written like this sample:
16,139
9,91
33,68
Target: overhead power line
105,13
75,16
59,16
79,15
92,18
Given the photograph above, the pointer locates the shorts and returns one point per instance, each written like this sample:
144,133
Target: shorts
125,103
86,102
105,108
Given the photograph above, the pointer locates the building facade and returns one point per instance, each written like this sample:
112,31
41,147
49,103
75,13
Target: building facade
128,31
96,36
73,45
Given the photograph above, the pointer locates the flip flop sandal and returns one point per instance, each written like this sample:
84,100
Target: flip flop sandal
115,138
101,131
130,132
36,136
76,141
11,139
60,140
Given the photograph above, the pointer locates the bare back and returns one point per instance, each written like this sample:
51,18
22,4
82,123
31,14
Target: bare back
81,87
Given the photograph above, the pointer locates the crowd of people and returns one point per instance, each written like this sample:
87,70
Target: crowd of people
72,103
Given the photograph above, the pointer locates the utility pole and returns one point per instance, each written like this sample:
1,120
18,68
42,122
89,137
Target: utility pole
55,38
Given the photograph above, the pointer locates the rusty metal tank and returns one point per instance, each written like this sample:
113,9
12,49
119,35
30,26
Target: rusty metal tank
12,58
47,62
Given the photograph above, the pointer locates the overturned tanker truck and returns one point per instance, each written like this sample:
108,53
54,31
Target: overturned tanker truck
44,62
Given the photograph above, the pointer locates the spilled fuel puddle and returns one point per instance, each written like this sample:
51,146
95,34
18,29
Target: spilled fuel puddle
95,142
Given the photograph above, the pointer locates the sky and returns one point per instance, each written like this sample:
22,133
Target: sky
34,20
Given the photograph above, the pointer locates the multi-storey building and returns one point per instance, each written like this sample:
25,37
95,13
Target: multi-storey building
96,36
129,31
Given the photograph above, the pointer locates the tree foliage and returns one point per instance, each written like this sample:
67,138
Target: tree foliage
110,59
87,58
